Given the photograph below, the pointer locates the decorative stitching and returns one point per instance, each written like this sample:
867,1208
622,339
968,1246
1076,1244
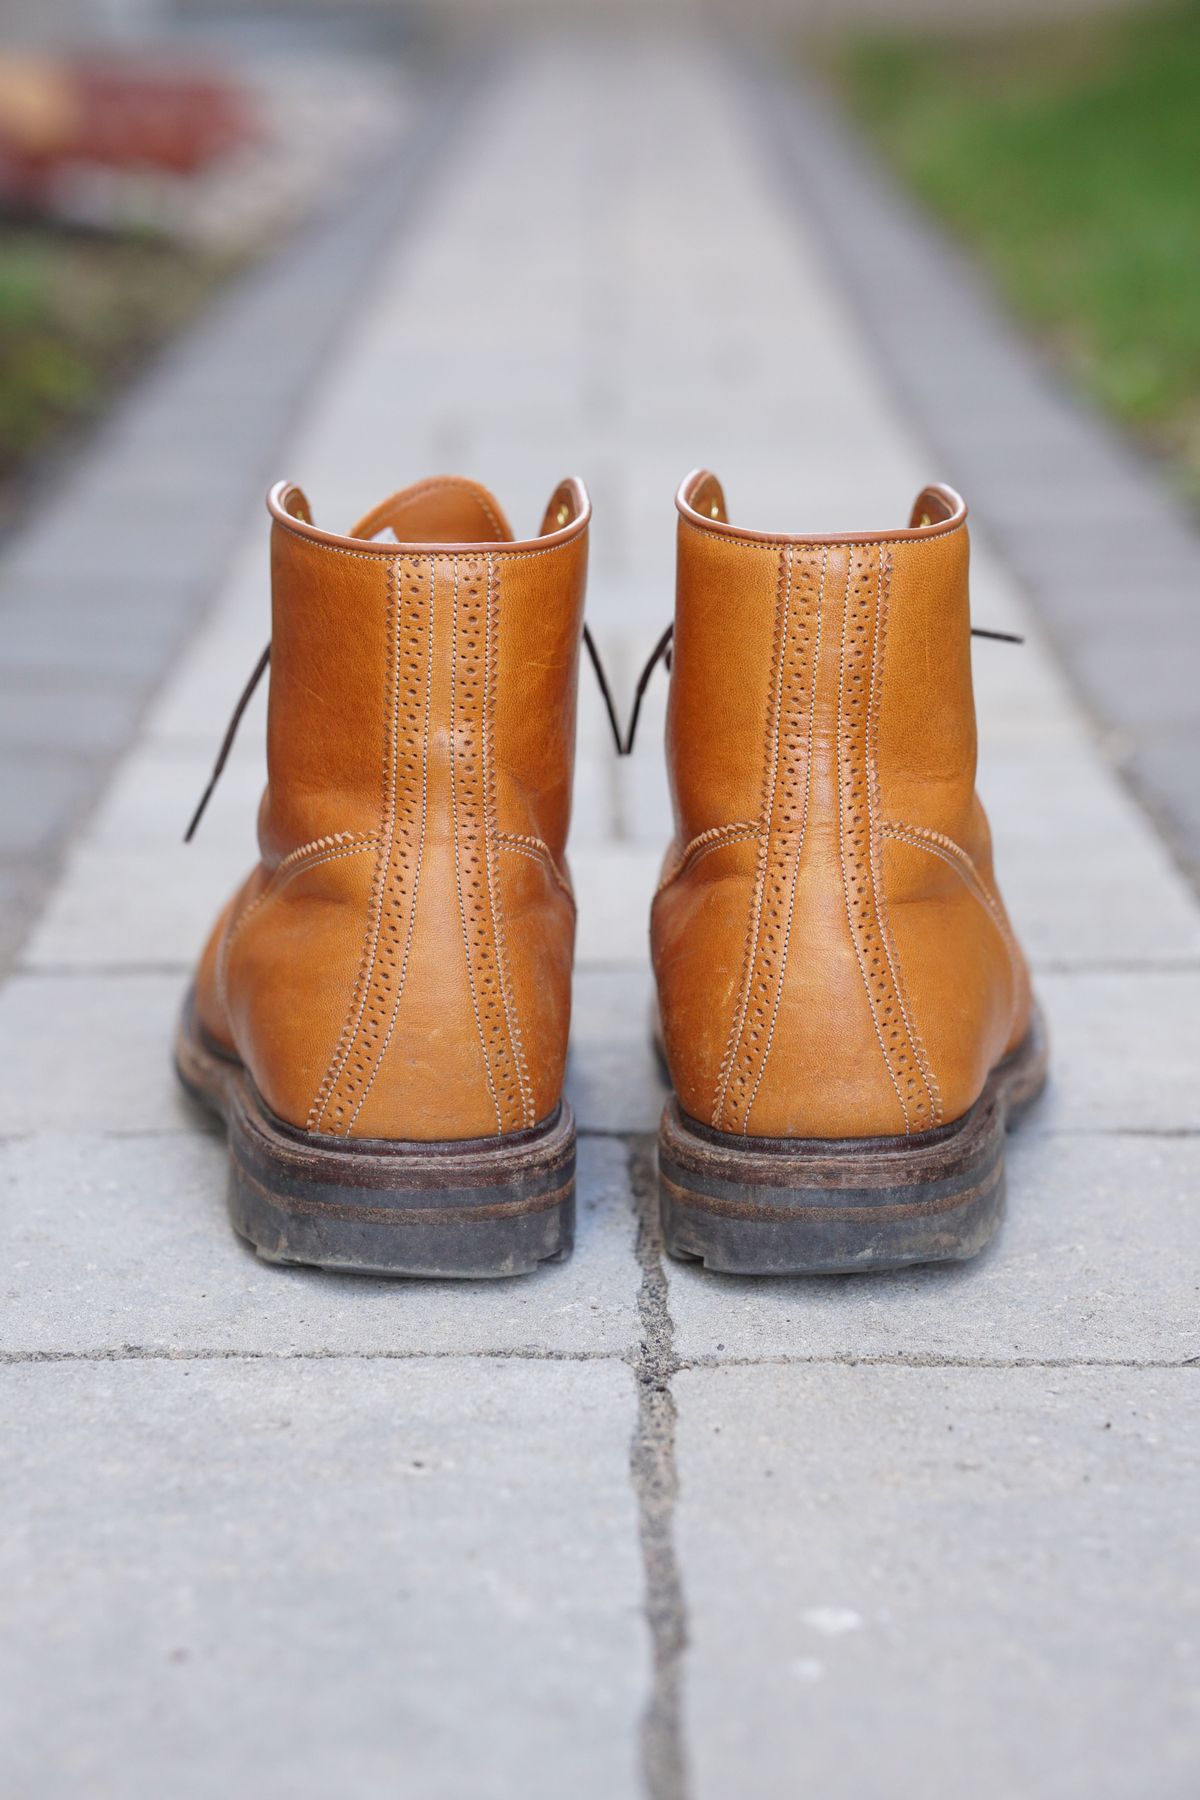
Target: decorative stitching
715,838
766,947
474,830
742,543
847,800
503,972
883,573
921,837
813,663
406,840
296,862
386,554
513,838
536,850
331,841
402,978
358,998
458,853
858,695
783,588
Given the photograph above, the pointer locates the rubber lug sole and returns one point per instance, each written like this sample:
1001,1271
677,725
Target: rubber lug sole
473,1209
777,1206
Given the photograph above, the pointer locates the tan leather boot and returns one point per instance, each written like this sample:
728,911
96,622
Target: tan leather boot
381,1012
846,1015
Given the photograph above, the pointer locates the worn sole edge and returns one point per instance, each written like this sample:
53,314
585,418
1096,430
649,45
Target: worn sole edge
466,1209
815,1206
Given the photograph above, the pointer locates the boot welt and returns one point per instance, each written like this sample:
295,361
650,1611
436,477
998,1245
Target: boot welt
791,1206
477,1207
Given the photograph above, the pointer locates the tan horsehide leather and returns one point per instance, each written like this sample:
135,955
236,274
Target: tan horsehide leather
832,954
398,964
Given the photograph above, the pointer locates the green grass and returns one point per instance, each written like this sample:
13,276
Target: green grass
1069,157
77,313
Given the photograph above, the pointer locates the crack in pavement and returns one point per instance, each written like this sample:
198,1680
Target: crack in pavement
656,1486
644,1367
151,1353
848,1359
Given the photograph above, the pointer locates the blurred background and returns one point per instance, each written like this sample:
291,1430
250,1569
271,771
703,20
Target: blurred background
148,148
161,160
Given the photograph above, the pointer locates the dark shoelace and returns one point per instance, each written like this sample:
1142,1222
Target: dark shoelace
227,741
260,669
623,741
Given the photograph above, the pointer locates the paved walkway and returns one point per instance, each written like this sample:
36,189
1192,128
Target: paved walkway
620,1528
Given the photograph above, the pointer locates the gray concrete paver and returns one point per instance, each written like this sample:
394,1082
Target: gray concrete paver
940,1580
300,1578
121,1245
1098,1260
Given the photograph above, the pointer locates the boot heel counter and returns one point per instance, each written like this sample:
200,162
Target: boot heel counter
765,1023
873,997
821,1040
421,698
431,1047
363,1017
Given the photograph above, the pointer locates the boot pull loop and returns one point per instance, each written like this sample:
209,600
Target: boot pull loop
605,691
660,652
227,741
997,637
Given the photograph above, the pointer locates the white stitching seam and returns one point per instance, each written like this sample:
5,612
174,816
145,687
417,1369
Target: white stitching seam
296,862
814,663
918,1048
379,886
412,910
398,556
715,838
488,773
773,544
782,605
536,850
462,905
920,837
842,847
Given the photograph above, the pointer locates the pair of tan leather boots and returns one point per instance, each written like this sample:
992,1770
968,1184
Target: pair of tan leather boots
381,1014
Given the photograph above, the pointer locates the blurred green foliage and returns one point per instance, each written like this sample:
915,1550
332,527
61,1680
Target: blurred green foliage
77,312
1069,156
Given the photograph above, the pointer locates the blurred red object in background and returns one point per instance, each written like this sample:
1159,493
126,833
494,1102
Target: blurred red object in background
66,114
